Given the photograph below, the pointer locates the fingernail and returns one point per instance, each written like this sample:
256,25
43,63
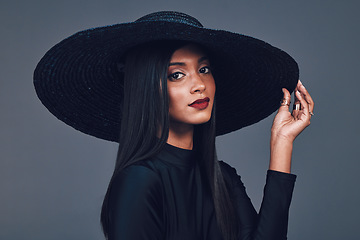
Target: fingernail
301,84
296,106
298,93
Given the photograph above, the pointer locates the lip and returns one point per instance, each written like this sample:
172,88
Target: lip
200,103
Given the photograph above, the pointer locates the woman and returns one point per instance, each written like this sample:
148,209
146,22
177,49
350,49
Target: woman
164,87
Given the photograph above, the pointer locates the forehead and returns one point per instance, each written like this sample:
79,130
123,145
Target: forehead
188,51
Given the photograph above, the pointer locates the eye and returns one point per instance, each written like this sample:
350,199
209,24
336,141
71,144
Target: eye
205,70
176,76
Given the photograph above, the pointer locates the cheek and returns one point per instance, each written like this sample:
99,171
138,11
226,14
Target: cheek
213,90
175,97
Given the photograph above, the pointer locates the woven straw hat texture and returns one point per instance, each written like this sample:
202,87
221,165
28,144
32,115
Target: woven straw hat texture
78,81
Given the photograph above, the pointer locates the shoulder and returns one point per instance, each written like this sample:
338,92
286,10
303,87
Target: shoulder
225,167
135,202
230,175
136,186
227,170
140,175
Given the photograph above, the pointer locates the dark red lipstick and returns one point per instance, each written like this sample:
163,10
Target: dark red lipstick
200,103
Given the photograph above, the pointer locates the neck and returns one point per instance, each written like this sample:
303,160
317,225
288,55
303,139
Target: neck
181,135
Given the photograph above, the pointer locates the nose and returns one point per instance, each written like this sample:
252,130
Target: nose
198,84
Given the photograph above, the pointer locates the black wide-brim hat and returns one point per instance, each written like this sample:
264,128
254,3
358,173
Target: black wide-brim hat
78,81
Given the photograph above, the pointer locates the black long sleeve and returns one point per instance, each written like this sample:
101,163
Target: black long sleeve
272,221
165,198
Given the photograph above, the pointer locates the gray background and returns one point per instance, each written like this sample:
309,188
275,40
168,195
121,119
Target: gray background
53,178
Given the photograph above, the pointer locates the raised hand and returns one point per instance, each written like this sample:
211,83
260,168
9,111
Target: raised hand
288,125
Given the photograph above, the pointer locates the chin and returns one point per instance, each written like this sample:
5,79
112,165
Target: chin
189,118
202,121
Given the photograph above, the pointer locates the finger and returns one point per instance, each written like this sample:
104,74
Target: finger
304,111
307,96
296,108
298,85
296,105
285,102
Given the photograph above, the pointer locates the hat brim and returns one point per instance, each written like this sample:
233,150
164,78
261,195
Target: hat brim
77,79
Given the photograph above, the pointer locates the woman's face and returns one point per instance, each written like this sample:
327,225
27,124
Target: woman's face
191,86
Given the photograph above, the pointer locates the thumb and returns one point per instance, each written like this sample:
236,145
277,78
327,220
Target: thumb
285,101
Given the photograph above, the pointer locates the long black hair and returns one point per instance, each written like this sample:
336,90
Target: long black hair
145,127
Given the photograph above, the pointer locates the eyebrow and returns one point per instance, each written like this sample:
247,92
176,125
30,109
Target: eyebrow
183,64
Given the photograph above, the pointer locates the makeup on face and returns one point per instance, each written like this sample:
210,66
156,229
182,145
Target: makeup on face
200,103
191,86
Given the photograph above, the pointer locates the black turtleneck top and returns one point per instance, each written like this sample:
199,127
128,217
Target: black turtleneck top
165,198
